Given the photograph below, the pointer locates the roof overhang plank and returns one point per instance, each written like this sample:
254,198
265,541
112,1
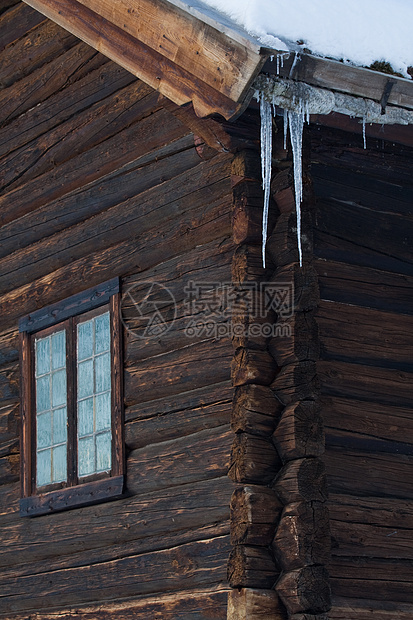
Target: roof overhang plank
340,77
175,52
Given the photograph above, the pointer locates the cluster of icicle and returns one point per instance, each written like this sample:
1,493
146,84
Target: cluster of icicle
298,101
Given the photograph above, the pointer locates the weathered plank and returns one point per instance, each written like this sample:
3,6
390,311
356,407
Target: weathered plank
365,286
345,608
17,22
202,563
369,474
259,604
372,336
202,604
128,526
371,578
201,456
382,385
9,347
78,134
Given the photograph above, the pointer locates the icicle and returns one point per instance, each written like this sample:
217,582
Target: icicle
285,128
296,124
266,156
364,132
278,65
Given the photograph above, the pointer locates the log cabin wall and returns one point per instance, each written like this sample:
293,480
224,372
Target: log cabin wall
101,179
363,257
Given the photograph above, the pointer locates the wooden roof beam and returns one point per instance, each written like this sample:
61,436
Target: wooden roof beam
184,58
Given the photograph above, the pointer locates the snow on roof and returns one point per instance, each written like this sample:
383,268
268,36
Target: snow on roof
356,31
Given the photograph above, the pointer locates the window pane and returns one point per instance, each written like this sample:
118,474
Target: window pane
103,452
59,464
102,372
86,456
103,411
85,379
59,388
59,426
43,393
44,430
59,350
102,333
85,340
42,356
85,417
44,467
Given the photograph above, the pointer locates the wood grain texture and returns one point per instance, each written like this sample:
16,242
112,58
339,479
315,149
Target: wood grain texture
251,603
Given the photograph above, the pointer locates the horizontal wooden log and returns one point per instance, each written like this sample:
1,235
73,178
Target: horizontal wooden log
201,456
300,431
379,541
375,511
305,590
144,173
9,347
100,122
310,617
250,366
303,536
371,578
254,603
365,286
172,425
255,410
255,512
368,420
133,255
297,382
9,468
358,188
253,460
9,384
345,608
132,525
200,605
176,371
302,480
371,336
371,474
46,81
251,567
382,385
202,563
299,343
17,22
118,150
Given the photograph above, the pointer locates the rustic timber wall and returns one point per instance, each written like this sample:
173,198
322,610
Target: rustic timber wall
99,179
363,256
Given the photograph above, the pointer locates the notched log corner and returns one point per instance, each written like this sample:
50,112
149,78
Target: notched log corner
303,536
302,480
250,366
253,603
297,382
305,590
300,432
251,567
255,513
255,410
253,459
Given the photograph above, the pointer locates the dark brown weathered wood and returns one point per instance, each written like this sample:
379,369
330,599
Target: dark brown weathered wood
365,286
282,243
250,366
303,536
17,21
259,604
388,386
305,590
9,384
201,456
310,617
297,341
255,511
247,212
247,264
118,429
386,474
253,460
302,480
251,567
9,346
345,608
297,382
255,410
304,283
160,571
375,337
300,431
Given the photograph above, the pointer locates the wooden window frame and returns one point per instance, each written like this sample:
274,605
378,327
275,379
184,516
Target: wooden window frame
97,487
